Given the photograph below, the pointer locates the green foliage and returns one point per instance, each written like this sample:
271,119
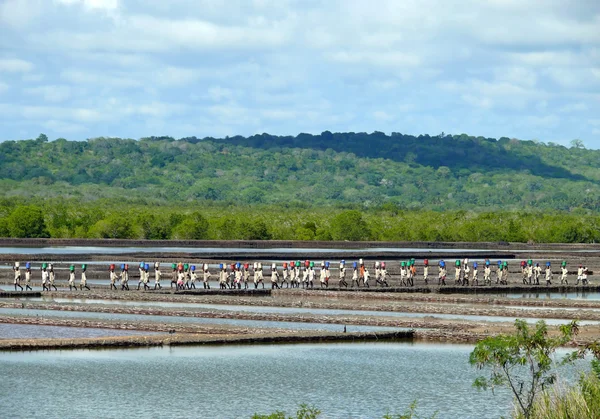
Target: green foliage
26,221
579,401
349,225
193,227
521,361
304,412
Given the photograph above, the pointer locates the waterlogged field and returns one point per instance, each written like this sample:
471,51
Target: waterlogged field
343,380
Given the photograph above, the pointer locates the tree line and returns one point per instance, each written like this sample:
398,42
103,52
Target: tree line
68,218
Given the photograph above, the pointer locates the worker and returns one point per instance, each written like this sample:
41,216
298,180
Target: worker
222,276
258,276
564,272
206,276
274,276
142,275
366,277
579,274
285,274
27,277
505,272
17,271
548,274
475,278
112,276
412,272
193,277
327,274
442,273
537,271
499,272
465,274
426,271
83,283
403,274
237,277
45,286
487,274
51,277
457,269
311,275
524,272
584,276
72,278
157,275
124,277
355,275
343,274
305,274
530,273
322,275
377,273
180,277
187,276
173,275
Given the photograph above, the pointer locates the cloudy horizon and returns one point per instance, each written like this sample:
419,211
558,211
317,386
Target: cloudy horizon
130,68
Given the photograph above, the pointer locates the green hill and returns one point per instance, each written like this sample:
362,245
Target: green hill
340,186
437,173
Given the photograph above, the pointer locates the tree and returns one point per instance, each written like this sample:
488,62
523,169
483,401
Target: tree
115,226
577,143
349,225
27,221
521,361
193,227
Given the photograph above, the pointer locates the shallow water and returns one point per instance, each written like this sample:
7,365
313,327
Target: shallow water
196,320
312,311
34,331
592,296
343,380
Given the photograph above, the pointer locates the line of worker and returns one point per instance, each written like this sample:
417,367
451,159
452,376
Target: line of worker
296,274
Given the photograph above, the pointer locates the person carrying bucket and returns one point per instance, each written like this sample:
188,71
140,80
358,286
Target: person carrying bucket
475,278
157,275
274,277
51,277
564,273
355,274
384,275
403,273
83,283
124,277
487,273
193,276
442,273
548,274
426,271
17,272
45,277
205,276
222,276
343,274
72,285
27,277
173,275
112,276
141,279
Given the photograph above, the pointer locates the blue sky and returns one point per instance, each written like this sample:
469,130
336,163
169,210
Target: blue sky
132,68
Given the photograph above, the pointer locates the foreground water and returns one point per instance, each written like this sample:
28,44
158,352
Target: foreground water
343,380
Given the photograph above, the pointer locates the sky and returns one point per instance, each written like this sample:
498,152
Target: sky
133,68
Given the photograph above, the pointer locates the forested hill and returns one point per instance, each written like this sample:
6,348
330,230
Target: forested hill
438,173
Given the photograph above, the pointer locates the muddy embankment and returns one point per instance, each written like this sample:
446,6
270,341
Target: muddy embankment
195,339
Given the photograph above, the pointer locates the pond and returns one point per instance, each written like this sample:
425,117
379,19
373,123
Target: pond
363,380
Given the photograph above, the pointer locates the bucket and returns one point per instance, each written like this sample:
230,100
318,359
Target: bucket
426,262
44,266
220,266
382,265
84,267
193,268
173,266
112,267
72,268
475,265
354,265
273,266
312,264
16,264
284,265
326,265
122,266
27,265
146,266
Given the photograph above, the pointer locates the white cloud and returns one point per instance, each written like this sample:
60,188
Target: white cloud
50,93
15,65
